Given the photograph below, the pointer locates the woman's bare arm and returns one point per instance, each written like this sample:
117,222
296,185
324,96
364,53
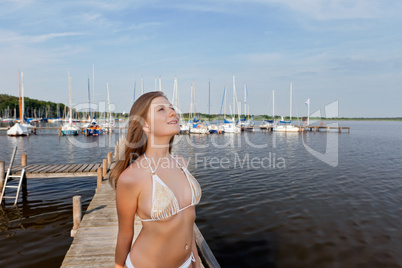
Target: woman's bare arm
127,192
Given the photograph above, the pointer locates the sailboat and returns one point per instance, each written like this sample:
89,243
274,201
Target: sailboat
230,126
69,128
184,128
286,126
246,124
108,125
92,128
267,124
21,128
195,125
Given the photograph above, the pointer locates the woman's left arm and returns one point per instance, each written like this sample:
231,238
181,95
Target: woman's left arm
195,253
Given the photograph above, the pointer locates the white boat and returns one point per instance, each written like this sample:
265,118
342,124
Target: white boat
231,126
195,125
269,124
70,128
199,128
18,130
21,128
184,129
286,126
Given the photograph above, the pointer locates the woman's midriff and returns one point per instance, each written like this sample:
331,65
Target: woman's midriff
164,243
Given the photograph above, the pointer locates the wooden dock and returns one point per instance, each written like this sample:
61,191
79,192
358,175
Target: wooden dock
95,240
58,171
325,128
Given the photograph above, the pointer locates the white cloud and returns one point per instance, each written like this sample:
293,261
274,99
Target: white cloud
337,9
315,9
13,37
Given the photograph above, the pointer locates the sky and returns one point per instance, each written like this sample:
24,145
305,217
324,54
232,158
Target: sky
345,51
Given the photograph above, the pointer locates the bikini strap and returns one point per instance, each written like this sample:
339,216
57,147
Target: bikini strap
149,164
180,165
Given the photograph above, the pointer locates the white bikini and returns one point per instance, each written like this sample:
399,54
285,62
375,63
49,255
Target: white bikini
165,204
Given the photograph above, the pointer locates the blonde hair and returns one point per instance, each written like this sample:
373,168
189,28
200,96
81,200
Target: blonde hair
136,140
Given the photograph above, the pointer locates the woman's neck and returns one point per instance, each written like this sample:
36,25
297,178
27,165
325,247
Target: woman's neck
157,148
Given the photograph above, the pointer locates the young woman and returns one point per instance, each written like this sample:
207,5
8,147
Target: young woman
157,186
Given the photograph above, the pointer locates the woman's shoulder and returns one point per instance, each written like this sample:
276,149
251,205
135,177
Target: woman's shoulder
135,174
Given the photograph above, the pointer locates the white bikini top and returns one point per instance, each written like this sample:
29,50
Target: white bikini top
164,202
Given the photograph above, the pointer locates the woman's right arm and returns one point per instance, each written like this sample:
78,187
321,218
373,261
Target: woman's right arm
127,192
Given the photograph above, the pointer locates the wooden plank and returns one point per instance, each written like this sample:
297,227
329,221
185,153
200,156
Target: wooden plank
60,167
29,168
88,168
70,168
77,168
95,167
63,168
60,175
33,170
82,168
48,167
44,167
53,168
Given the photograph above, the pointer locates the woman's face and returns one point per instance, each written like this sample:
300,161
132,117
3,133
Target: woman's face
162,118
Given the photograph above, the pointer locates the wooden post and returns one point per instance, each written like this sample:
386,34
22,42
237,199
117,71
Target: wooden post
77,214
116,152
109,159
104,167
2,173
59,131
23,160
99,179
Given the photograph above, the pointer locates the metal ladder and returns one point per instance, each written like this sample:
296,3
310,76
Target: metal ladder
20,177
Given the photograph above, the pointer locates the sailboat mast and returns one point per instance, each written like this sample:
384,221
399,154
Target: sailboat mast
135,88
19,93
175,94
108,104
209,98
195,108
89,100
93,82
273,104
142,86
245,100
191,104
234,95
69,86
160,83
290,114
22,98
308,112
224,107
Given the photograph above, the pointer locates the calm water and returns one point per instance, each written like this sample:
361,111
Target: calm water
267,201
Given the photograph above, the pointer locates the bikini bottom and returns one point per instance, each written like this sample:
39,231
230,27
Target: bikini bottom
186,264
